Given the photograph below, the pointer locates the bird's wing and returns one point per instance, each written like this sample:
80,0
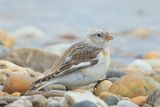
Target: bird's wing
77,57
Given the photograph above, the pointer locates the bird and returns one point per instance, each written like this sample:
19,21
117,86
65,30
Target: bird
83,63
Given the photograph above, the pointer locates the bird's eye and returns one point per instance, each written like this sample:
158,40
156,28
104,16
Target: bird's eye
99,35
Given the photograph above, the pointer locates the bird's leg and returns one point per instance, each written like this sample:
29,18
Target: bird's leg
99,81
67,89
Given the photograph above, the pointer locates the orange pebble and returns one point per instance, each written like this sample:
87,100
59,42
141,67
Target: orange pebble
140,100
152,55
17,83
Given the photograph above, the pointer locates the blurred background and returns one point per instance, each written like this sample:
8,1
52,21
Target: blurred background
35,33
44,23
57,16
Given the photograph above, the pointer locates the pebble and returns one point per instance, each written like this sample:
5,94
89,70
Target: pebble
154,99
57,87
105,94
109,98
147,105
139,32
16,94
11,68
52,103
155,63
3,93
6,39
157,77
6,64
90,87
74,98
103,86
133,85
3,103
30,36
126,103
38,101
20,103
115,73
140,100
1,86
152,55
17,83
68,36
36,59
130,70
140,66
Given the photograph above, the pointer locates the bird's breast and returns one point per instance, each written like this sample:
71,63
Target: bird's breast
101,68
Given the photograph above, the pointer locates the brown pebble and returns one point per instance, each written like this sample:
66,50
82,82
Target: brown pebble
17,83
140,100
103,86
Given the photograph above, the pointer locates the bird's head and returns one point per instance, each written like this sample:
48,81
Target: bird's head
100,38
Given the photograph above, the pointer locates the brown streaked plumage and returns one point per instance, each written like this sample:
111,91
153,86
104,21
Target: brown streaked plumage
80,52
80,62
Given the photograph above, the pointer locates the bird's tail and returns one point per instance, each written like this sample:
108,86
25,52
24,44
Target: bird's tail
41,83
44,85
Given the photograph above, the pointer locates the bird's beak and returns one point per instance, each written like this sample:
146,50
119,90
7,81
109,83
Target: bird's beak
108,37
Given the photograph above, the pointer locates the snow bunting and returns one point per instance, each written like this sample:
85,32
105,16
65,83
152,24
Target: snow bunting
83,63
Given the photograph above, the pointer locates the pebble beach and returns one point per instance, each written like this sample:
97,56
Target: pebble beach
34,34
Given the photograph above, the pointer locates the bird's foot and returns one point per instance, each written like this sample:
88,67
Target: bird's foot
67,89
99,81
